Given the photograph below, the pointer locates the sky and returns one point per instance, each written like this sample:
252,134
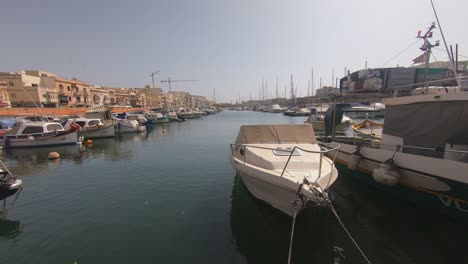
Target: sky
228,46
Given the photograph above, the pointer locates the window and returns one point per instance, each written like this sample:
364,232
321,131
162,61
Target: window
93,123
34,84
43,75
53,127
68,88
81,123
44,95
11,84
32,130
13,95
77,89
69,98
61,87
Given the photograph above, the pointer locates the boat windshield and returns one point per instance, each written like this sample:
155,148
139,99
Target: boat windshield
286,151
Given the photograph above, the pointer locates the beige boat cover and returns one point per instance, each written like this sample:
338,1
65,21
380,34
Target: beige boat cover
290,133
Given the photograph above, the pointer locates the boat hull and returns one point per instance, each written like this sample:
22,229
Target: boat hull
99,132
425,187
49,139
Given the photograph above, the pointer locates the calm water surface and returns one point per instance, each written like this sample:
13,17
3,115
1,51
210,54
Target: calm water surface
174,198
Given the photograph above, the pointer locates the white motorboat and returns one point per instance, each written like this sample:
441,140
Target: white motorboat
276,109
128,126
283,165
357,110
39,134
92,127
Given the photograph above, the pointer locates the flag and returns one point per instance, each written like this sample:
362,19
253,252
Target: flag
420,59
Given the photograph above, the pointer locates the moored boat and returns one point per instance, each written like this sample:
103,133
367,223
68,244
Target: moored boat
423,153
39,134
283,165
91,128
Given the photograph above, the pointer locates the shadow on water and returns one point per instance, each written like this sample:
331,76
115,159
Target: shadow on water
387,229
8,228
261,233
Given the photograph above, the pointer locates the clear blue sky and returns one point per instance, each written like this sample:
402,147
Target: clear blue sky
227,45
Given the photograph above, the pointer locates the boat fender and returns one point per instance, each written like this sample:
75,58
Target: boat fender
387,173
354,160
31,138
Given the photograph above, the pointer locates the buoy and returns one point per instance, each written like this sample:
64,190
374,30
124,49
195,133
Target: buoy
353,162
54,155
164,130
89,141
387,173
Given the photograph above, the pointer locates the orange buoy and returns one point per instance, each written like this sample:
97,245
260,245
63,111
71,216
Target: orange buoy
89,141
54,155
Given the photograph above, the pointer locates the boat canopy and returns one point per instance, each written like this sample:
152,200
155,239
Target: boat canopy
428,124
294,133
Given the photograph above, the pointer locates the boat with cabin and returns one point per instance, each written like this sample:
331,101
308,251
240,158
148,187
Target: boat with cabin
91,128
25,134
284,165
275,108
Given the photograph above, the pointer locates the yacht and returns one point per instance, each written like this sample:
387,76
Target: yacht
276,109
357,110
92,127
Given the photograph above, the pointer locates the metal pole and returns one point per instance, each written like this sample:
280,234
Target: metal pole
446,47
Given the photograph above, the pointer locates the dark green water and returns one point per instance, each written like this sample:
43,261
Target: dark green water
174,198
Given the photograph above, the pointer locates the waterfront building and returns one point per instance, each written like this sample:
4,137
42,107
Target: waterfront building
4,97
31,88
121,95
73,93
100,96
181,99
199,101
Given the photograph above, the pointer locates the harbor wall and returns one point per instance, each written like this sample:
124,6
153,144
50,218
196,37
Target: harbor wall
54,111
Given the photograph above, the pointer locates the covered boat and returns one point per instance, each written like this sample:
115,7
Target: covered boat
283,165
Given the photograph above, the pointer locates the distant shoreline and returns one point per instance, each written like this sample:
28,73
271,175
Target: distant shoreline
11,112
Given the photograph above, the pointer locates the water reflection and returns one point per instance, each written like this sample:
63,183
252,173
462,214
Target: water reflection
28,161
261,233
8,228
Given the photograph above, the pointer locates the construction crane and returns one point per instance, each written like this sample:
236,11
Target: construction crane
169,81
152,77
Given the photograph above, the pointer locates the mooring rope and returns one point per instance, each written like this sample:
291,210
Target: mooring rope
292,237
332,208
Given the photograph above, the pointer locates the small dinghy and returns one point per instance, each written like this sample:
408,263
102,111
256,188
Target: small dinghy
284,166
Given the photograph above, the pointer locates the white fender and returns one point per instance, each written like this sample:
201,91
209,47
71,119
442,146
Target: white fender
387,173
353,162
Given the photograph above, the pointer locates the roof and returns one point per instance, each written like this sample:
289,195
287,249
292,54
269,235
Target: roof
290,133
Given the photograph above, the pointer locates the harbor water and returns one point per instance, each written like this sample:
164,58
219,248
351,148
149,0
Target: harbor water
171,196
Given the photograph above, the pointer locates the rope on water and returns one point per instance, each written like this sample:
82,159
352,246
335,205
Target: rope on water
332,208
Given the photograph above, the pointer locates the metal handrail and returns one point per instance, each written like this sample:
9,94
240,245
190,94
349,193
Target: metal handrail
321,152
399,148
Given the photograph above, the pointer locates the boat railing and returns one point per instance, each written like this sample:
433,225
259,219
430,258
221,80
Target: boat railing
325,148
368,142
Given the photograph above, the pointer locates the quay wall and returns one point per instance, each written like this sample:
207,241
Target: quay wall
6,112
